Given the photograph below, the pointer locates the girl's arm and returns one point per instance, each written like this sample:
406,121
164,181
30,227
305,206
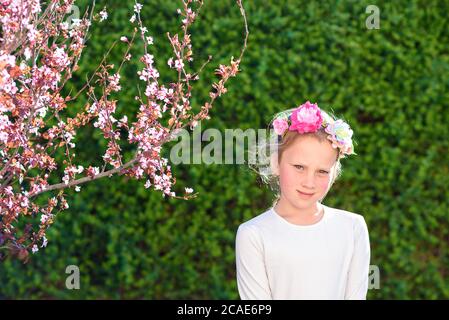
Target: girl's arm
357,284
252,281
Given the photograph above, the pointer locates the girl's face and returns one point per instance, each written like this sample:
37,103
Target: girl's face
305,172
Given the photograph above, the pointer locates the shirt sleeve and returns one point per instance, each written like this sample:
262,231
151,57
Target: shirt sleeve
357,283
252,280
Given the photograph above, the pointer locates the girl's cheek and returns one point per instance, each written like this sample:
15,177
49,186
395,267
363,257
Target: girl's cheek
323,183
286,179
286,175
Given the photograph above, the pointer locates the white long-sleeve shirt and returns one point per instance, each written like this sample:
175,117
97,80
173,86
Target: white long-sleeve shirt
276,259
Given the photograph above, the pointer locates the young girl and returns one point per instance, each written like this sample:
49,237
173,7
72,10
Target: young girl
301,248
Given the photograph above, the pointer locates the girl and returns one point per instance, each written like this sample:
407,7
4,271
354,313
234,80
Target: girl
301,248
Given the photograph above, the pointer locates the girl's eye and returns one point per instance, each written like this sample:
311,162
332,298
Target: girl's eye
297,166
323,172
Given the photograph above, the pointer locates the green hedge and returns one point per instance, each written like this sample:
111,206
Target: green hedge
389,84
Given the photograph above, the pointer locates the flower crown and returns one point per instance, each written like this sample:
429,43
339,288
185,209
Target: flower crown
309,118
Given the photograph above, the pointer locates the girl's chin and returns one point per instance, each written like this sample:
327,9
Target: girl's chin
301,201
304,203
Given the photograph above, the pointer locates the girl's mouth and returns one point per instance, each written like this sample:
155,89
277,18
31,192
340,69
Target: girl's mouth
305,195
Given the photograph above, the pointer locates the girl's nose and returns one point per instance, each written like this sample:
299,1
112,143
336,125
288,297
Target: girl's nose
309,181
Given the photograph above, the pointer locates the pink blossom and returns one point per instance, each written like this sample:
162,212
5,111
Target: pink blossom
151,89
27,53
92,171
138,7
148,59
44,242
5,126
179,64
44,218
114,81
60,59
103,15
124,120
148,73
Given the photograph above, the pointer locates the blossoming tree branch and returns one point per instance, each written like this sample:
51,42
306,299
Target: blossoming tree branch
39,52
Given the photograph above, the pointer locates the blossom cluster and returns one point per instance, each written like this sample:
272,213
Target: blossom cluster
39,52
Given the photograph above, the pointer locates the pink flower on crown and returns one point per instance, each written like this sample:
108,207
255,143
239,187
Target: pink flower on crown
306,118
280,125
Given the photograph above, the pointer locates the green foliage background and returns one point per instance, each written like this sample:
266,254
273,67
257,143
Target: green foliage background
390,84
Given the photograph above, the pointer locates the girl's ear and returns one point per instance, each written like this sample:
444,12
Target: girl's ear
274,163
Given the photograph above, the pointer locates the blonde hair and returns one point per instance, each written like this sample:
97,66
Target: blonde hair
272,149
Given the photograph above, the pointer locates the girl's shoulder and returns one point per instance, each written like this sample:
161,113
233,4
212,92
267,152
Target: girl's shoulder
260,221
349,218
